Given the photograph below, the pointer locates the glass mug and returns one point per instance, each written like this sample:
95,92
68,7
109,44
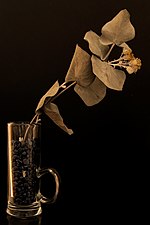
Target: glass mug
24,158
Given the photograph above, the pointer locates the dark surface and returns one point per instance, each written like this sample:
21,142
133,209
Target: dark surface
104,165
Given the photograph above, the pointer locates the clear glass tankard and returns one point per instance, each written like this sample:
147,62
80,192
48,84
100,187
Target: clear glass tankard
24,158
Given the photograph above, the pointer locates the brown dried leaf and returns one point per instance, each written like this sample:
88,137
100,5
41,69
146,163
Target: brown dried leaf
95,44
112,78
125,46
80,69
50,93
93,93
118,30
52,111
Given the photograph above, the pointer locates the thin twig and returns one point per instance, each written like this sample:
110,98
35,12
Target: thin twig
36,116
115,60
108,53
52,99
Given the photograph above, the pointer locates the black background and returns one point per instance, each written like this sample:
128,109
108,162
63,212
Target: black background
103,165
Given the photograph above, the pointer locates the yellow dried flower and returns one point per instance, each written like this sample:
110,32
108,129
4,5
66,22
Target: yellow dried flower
128,57
135,64
127,51
130,69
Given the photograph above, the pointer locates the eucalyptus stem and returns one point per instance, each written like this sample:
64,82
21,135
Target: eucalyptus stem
116,60
108,53
36,116
52,99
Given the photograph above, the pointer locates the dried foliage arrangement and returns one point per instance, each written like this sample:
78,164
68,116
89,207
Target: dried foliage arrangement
91,75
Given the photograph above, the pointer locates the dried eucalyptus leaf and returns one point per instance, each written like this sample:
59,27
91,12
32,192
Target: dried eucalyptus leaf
118,30
95,45
92,94
112,78
125,46
80,69
50,93
51,110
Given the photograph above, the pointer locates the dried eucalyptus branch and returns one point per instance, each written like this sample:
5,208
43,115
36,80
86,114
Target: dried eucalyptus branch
91,75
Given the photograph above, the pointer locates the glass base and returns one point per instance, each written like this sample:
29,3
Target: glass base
24,211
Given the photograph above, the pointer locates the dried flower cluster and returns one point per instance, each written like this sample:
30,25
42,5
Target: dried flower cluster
127,60
91,75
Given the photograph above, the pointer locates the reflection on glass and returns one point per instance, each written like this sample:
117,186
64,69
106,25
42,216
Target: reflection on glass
29,221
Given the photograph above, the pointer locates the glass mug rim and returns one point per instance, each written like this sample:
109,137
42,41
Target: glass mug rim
26,122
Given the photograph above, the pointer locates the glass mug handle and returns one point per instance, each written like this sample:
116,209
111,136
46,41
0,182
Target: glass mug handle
55,174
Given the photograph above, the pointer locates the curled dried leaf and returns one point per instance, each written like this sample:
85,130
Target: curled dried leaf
95,45
50,93
80,69
52,111
118,30
112,78
93,93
